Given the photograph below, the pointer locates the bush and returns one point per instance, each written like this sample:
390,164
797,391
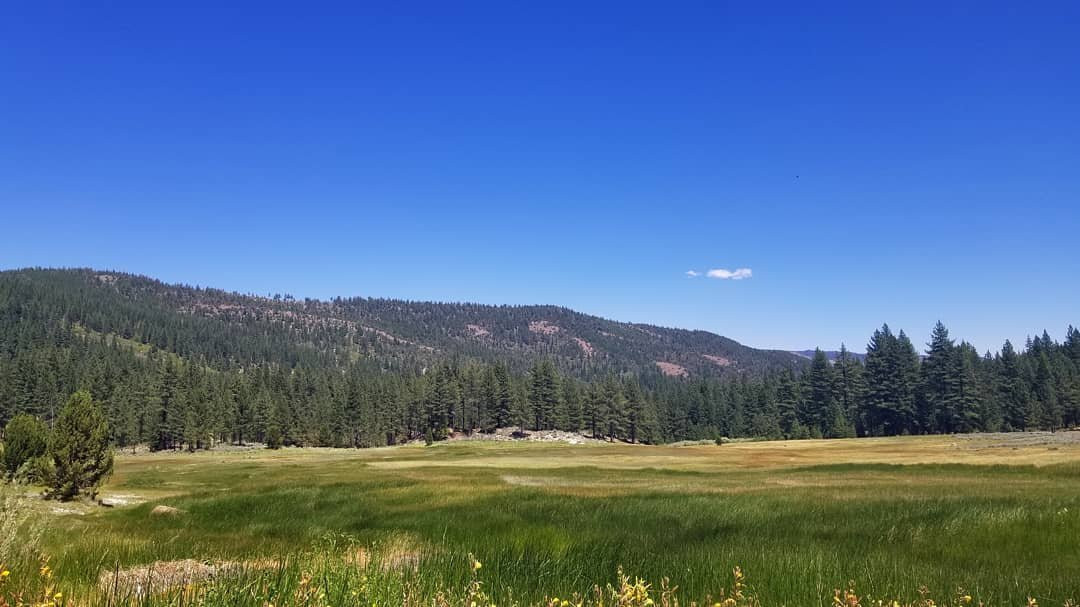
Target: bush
80,448
37,471
25,438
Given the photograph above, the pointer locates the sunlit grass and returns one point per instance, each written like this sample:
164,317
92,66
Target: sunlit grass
551,521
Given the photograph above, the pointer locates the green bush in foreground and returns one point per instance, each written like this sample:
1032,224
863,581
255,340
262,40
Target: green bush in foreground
25,438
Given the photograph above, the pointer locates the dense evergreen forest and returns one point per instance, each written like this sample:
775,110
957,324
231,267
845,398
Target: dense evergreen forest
185,367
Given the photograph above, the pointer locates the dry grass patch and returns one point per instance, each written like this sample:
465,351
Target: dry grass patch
159,577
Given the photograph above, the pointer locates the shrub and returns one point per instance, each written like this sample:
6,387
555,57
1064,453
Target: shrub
37,471
25,438
80,448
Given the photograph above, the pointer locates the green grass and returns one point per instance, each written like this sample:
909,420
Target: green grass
550,520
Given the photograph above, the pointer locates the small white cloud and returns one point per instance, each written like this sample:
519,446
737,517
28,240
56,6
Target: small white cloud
723,274
692,274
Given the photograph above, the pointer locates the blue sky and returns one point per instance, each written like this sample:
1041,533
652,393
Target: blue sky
908,164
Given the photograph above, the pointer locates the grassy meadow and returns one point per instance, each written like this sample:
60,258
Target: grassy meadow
994,518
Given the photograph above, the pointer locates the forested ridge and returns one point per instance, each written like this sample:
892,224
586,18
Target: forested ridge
186,367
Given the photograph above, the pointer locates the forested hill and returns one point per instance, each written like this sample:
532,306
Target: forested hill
181,366
229,330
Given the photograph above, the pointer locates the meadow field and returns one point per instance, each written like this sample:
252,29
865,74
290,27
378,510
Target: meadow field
991,519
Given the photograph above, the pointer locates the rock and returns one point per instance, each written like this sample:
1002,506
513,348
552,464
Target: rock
164,511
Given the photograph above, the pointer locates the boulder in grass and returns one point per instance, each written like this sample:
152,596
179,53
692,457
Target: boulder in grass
163,510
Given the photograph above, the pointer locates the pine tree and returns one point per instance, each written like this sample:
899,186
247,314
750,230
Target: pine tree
170,400
966,393
1011,392
503,398
765,416
543,395
572,405
850,385
1045,394
787,399
907,368
612,409
939,377
891,375
489,397
519,406
1072,346
593,405
472,399
634,410
80,448
440,403
1070,403
818,407
991,417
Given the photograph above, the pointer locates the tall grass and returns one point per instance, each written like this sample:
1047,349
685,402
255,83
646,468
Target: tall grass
20,529
1001,534
325,578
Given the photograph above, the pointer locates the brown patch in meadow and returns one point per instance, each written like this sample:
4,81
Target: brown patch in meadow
162,576
159,576
399,553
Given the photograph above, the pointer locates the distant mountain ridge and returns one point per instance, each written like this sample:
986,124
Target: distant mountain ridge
832,355
229,329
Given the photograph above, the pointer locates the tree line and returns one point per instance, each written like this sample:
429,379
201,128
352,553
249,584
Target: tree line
155,397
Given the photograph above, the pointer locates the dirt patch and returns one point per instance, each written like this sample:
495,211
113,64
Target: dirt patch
67,510
399,552
162,576
120,500
585,346
671,369
718,360
543,327
159,576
